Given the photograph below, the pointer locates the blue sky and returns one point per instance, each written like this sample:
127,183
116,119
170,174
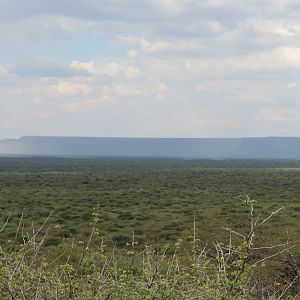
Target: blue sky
150,68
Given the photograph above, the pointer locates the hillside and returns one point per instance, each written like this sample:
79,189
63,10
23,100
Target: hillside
207,148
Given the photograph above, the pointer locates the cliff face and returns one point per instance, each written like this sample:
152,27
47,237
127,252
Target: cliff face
214,148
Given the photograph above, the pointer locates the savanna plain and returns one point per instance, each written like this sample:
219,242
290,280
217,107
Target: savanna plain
129,228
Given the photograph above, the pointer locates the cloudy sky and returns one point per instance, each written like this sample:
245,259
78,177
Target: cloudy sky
159,68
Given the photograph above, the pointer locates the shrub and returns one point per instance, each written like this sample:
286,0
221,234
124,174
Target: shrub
88,270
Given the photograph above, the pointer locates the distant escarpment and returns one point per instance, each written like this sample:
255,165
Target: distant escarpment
189,148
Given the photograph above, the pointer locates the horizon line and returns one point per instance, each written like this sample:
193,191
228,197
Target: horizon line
143,137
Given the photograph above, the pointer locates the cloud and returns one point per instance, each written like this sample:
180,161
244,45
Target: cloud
175,6
145,91
279,58
3,70
132,72
214,26
4,124
11,10
168,67
276,60
84,66
106,69
293,86
110,69
285,28
80,106
71,89
279,115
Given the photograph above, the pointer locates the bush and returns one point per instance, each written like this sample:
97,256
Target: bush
88,270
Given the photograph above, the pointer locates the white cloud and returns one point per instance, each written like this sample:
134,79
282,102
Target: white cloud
282,4
98,69
285,58
110,69
4,71
70,89
285,28
293,86
84,66
280,58
142,91
156,46
171,5
275,115
214,26
163,88
132,72
122,90
132,53
179,67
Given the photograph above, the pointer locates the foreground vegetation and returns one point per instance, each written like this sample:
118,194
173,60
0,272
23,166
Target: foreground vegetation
238,269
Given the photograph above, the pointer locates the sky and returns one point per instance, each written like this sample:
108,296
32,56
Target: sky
150,68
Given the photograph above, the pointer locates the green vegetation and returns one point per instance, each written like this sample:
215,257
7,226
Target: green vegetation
178,207
237,269
157,199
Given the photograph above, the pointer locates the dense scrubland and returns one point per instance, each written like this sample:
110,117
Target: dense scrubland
79,228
